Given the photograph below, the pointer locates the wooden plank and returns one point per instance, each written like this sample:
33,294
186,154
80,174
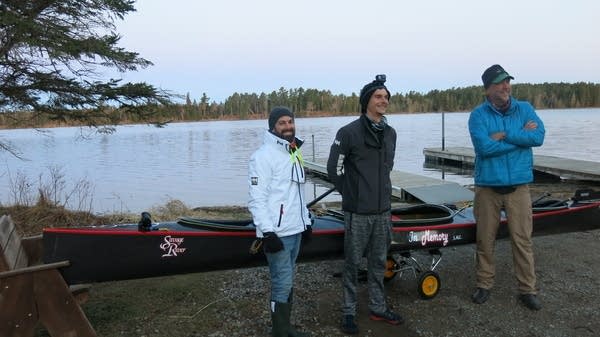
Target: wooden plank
5,234
316,169
33,269
3,262
81,292
564,168
11,249
5,230
59,311
461,155
408,186
34,248
18,312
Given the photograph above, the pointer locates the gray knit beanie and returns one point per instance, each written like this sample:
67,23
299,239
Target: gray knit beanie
278,112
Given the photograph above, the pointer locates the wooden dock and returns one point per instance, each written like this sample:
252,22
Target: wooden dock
568,169
410,187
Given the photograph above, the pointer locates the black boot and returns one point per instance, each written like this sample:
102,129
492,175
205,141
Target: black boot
292,332
280,316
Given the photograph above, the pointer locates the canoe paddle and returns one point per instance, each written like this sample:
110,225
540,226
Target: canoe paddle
545,195
319,198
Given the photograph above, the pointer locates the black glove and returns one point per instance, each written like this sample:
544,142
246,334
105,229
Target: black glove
307,234
272,242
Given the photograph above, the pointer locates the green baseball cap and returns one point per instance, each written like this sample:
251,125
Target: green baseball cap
494,75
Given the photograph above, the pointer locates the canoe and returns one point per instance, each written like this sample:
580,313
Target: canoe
123,251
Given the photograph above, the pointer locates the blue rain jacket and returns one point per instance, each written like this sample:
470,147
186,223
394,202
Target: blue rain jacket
508,162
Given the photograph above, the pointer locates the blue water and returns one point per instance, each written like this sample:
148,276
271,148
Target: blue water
205,163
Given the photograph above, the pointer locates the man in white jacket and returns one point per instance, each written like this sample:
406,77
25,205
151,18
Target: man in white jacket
278,207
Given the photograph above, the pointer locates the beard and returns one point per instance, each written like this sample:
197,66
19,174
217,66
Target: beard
289,135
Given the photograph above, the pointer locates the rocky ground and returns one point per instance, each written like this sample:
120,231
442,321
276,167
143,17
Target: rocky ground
567,269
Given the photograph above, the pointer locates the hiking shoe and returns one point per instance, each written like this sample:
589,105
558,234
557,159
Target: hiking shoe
481,295
530,301
348,325
387,316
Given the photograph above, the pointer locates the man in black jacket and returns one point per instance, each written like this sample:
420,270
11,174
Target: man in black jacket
360,161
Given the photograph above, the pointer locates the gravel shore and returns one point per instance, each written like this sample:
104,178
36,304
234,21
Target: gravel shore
568,282
569,288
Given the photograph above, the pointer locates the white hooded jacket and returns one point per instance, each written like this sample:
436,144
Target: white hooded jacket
276,180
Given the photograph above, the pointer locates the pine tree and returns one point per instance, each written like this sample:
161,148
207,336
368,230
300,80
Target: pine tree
52,56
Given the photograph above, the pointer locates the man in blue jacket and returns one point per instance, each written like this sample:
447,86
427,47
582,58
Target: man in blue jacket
503,131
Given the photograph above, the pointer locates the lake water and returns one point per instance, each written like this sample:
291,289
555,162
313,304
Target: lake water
205,163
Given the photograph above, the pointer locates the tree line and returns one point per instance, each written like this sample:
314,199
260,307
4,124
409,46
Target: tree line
315,102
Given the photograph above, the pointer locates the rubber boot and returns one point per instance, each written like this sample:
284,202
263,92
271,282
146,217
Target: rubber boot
292,332
280,316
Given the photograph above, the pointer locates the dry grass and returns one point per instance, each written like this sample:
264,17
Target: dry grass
30,220
176,208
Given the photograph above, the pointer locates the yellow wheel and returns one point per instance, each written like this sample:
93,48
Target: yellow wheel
390,269
429,285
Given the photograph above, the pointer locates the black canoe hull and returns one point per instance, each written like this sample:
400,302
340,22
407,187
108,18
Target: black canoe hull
122,252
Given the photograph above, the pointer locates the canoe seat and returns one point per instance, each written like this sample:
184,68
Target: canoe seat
586,195
32,292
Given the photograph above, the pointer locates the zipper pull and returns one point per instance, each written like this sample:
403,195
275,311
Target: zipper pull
280,215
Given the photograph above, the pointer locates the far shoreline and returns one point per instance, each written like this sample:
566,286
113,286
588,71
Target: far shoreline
263,116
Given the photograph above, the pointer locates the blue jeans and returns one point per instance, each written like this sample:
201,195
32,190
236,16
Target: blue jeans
281,267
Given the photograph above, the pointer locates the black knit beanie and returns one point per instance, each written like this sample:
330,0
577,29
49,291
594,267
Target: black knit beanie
278,112
368,90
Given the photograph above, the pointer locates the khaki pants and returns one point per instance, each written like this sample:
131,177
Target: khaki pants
517,205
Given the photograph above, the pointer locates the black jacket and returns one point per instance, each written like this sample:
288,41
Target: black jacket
359,165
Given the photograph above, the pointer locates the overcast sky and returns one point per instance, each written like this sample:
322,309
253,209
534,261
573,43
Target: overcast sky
252,46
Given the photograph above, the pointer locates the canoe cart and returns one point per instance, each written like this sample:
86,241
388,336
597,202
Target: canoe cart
428,280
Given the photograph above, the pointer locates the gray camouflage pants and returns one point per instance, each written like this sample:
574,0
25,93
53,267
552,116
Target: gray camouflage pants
369,236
